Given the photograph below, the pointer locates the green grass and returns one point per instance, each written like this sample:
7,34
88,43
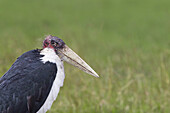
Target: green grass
127,42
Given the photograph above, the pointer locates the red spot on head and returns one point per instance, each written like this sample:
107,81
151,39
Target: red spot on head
53,42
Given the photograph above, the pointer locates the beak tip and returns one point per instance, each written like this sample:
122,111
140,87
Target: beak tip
71,57
96,75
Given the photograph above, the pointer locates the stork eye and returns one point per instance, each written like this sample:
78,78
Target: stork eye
56,43
52,42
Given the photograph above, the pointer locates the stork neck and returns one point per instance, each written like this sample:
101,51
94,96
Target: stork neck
49,55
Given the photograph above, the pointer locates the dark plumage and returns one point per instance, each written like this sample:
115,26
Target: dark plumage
25,87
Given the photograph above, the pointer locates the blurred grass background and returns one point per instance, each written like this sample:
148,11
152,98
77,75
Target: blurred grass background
127,42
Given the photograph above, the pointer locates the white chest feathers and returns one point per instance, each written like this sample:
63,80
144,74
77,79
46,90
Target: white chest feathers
50,55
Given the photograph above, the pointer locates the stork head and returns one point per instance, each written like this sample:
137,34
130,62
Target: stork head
66,54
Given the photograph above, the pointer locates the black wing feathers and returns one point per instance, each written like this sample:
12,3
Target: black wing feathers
25,87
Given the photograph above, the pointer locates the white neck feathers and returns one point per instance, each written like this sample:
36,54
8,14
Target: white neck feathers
51,56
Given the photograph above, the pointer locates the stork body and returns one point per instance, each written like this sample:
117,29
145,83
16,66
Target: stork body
33,82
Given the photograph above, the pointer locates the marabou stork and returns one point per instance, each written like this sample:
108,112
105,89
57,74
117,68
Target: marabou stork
32,84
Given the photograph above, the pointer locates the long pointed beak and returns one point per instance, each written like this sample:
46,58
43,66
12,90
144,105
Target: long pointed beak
68,55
